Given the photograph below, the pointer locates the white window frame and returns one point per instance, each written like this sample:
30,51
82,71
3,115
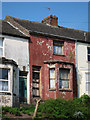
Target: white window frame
87,82
6,80
2,47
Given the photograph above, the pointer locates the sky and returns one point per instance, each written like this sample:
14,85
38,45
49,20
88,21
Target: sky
70,14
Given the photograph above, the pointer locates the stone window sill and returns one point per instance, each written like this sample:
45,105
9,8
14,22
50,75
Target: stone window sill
52,89
65,90
58,55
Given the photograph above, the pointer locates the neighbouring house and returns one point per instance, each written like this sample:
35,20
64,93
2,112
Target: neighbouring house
52,57
83,65
14,66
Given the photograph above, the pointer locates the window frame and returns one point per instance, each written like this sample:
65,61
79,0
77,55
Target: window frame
87,81
52,78
59,45
2,47
64,79
8,80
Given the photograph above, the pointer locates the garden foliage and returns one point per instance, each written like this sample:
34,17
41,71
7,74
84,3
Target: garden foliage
76,109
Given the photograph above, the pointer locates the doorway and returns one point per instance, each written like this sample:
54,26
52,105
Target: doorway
23,87
36,81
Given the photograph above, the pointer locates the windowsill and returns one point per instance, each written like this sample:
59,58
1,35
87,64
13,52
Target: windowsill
58,55
5,92
88,62
52,89
66,90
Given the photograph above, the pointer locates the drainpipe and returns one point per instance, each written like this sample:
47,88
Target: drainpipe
76,67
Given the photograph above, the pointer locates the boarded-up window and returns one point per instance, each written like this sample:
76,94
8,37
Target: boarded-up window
58,47
52,78
88,83
64,78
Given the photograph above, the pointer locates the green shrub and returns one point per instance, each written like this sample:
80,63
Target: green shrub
78,108
27,109
17,111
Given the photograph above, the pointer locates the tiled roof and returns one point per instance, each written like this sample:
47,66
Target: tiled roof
7,29
63,32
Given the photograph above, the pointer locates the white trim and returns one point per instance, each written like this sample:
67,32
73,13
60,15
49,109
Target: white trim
16,28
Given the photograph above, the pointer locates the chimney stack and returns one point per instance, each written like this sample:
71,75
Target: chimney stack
51,20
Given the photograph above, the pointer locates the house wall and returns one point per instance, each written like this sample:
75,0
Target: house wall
41,49
83,67
17,49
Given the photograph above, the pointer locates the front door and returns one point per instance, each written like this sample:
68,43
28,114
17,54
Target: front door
36,81
23,89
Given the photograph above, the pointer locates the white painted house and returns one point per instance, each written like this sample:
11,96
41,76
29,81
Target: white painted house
14,66
83,66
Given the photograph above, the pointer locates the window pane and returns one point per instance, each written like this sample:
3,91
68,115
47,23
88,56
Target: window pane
4,74
88,87
88,57
0,85
88,50
52,84
64,84
3,85
64,74
1,43
1,51
57,50
52,75
87,77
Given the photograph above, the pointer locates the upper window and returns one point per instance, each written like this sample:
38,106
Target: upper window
64,78
58,47
52,78
4,79
1,47
88,53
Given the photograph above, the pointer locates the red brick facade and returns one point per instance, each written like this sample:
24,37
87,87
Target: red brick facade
41,54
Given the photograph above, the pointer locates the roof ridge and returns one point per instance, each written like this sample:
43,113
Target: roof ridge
57,27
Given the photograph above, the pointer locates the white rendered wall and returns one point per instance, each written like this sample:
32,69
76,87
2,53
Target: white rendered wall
82,67
17,49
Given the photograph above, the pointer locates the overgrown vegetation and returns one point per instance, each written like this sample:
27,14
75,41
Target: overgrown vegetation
76,109
18,111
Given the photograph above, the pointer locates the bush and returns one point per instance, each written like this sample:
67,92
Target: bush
17,111
78,108
27,109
